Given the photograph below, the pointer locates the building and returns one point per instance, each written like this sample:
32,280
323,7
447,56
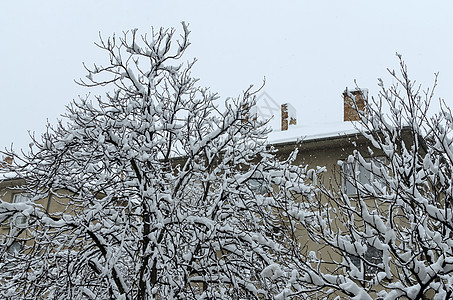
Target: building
324,145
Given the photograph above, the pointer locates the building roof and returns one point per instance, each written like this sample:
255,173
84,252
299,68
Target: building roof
317,134
313,132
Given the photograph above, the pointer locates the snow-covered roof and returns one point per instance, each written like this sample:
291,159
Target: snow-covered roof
307,132
7,176
312,131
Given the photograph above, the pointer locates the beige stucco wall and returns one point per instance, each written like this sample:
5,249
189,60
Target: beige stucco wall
9,188
326,153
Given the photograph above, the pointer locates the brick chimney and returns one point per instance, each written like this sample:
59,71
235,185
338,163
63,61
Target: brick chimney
249,113
288,116
7,161
361,98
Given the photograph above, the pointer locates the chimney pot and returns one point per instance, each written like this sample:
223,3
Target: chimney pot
288,116
360,96
8,160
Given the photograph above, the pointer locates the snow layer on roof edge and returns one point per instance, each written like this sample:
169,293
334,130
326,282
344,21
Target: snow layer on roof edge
8,176
312,132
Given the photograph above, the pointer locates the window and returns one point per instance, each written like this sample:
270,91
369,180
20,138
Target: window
367,265
259,186
14,248
11,263
20,198
353,171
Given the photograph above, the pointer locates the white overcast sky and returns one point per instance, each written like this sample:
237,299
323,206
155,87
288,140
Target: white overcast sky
309,51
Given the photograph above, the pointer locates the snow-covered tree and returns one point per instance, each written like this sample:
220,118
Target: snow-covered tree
161,193
388,222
